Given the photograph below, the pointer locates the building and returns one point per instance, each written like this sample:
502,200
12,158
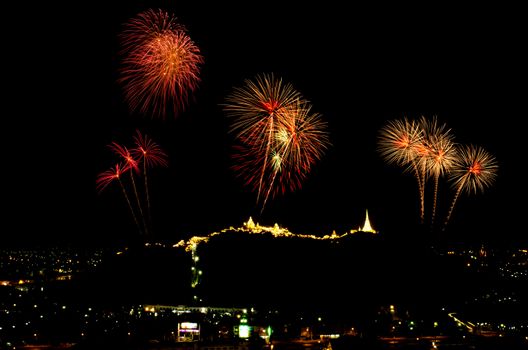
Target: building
367,227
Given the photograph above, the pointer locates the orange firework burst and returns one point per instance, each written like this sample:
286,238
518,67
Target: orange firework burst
402,142
473,171
259,104
161,64
398,141
427,148
280,138
442,153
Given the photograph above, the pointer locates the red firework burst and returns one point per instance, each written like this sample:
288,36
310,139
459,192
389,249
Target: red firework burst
152,155
161,64
106,177
149,151
123,152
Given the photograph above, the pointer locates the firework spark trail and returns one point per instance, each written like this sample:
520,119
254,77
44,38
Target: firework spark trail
295,137
294,148
398,143
107,177
420,165
257,101
161,64
443,158
152,155
266,155
442,154
257,107
279,137
474,169
256,170
130,205
132,166
299,142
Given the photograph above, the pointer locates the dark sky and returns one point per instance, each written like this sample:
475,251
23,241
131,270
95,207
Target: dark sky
359,66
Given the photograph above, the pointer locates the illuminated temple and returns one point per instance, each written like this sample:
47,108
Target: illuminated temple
366,226
252,228
276,231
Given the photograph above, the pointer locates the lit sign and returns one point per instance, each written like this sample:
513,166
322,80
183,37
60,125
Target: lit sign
243,331
189,325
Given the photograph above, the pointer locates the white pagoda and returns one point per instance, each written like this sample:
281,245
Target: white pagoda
366,227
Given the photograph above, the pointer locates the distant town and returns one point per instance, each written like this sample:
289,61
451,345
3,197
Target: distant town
174,295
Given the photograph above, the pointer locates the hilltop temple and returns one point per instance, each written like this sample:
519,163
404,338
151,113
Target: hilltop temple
366,226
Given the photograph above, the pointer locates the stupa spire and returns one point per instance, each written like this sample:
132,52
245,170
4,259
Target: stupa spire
367,227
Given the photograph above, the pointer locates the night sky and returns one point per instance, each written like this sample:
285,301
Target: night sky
359,66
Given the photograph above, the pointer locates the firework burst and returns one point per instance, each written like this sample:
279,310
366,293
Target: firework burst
132,164
106,177
279,137
427,149
439,140
148,151
398,140
301,138
151,154
474,170
124,153
161,64
259,103
401,142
